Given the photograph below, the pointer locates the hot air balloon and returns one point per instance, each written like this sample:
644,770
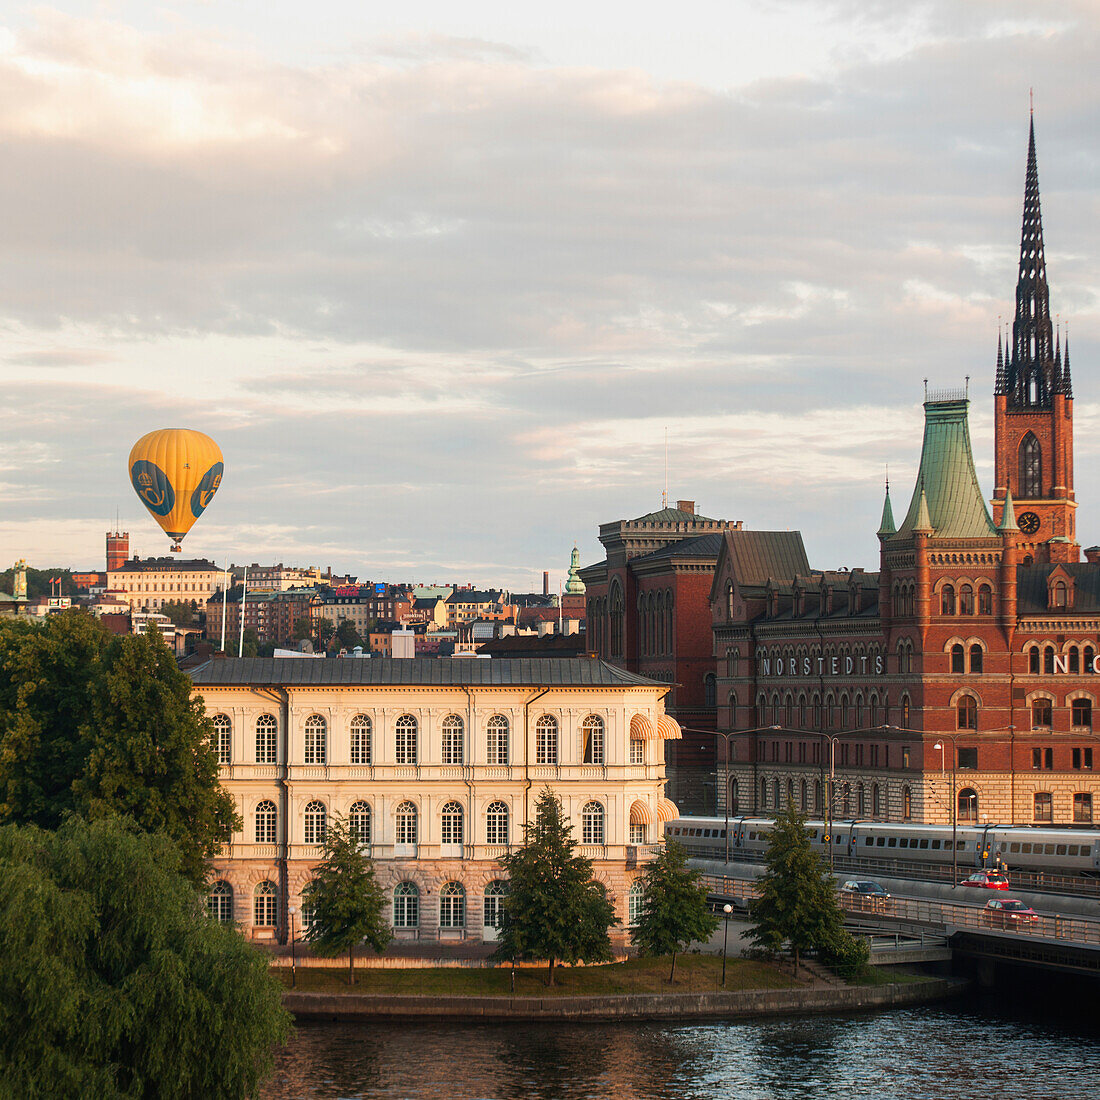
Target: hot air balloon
175,472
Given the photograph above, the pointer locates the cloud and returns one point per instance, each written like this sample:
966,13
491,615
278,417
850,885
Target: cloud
439,299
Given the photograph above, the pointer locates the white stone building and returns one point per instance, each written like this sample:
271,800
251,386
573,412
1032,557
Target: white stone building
439,762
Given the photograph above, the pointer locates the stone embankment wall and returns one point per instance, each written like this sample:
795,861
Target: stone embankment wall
642,1006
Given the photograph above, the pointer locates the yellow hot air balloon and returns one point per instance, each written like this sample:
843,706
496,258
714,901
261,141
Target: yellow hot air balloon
175,472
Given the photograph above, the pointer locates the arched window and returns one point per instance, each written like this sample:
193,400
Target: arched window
492,910
316,821
219,903
1031,468
790,794
546,740
905,712
967,809
359,822
404,746
635,902
967,709
1074,659
947,600
265,905
966,600
1048,660
616,619
788,710
452,740
592,738
876,805
496,734
1059,597
802,798
817,797
710,690
405,821
906,802
450,824
729,600
985,600
406,905
266,727
733,795
316,739
977,658
1033,658
763,794
861,801
496,823
360,739
223,738
1087,657
847,800
452,905
775,794
592,823
1081,713
801,712
266,821
958,659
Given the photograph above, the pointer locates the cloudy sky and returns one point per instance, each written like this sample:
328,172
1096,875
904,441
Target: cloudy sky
438,277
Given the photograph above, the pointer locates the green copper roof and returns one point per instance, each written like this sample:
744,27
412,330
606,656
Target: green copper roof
574,585
887,526
1008,516
947,498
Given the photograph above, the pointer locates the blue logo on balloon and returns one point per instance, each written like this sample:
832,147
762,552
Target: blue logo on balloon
204,494
153,486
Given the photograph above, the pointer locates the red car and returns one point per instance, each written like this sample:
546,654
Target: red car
986,880
1009,913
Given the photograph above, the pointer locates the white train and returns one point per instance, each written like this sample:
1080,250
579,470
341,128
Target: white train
1056,851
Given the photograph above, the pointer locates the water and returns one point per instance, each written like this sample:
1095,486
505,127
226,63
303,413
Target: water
948,1052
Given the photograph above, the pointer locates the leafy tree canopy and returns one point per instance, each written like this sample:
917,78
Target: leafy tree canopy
302,629
180,612
96,724
114,982
347,904
797,904
347,635
38,582
674,910
555,909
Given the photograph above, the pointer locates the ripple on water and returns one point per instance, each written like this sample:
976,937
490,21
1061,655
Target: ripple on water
949,1053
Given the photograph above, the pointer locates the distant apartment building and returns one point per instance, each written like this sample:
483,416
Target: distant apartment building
148,584
272,615
364,605
464,605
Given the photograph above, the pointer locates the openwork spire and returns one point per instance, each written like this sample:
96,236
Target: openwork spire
1031,373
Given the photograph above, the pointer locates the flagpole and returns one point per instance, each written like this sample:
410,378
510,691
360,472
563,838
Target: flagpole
225,597
244,600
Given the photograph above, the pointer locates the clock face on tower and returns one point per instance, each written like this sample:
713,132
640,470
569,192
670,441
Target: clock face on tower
1029,523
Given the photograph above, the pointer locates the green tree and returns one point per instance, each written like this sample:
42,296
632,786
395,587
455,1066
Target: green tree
180,612
302,629
38,582
250,642
555,909
347,635
797,903
114,982
97,725
346,902
674,909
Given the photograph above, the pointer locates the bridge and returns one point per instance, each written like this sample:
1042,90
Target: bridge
1066,944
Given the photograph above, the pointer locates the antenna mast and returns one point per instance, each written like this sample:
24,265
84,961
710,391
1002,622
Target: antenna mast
664,495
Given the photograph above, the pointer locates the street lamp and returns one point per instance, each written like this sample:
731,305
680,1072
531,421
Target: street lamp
726,794
291,910
954,806
726,909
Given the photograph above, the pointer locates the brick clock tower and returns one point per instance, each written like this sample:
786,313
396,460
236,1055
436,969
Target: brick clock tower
1033,406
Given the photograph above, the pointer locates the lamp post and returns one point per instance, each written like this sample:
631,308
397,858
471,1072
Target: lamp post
726,794
954,807
291,910
726,909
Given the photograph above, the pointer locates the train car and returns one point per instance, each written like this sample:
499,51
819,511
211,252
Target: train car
1056,851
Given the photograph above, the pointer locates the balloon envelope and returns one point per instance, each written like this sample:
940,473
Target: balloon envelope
175,472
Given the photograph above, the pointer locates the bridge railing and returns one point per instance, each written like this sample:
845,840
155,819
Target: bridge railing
929,914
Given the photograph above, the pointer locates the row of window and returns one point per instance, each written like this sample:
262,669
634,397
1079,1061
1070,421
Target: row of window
1045,659
406,905
407,823
964,604
838,712
406,740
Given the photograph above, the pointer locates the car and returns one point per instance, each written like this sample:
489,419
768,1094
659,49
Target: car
986,880
866,893
1009,913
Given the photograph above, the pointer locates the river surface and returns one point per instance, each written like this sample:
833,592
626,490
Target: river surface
952,1051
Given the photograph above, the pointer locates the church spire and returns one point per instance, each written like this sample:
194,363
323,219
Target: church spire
1030,371
999,385
887,527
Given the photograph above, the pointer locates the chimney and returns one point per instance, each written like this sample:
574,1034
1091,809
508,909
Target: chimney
1092,554
546,582
686,506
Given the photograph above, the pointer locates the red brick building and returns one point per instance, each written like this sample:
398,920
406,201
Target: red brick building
648,612
961,680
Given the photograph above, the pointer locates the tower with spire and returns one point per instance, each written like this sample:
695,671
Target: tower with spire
1033,404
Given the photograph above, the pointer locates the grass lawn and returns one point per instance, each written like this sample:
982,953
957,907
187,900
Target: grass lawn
694,974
